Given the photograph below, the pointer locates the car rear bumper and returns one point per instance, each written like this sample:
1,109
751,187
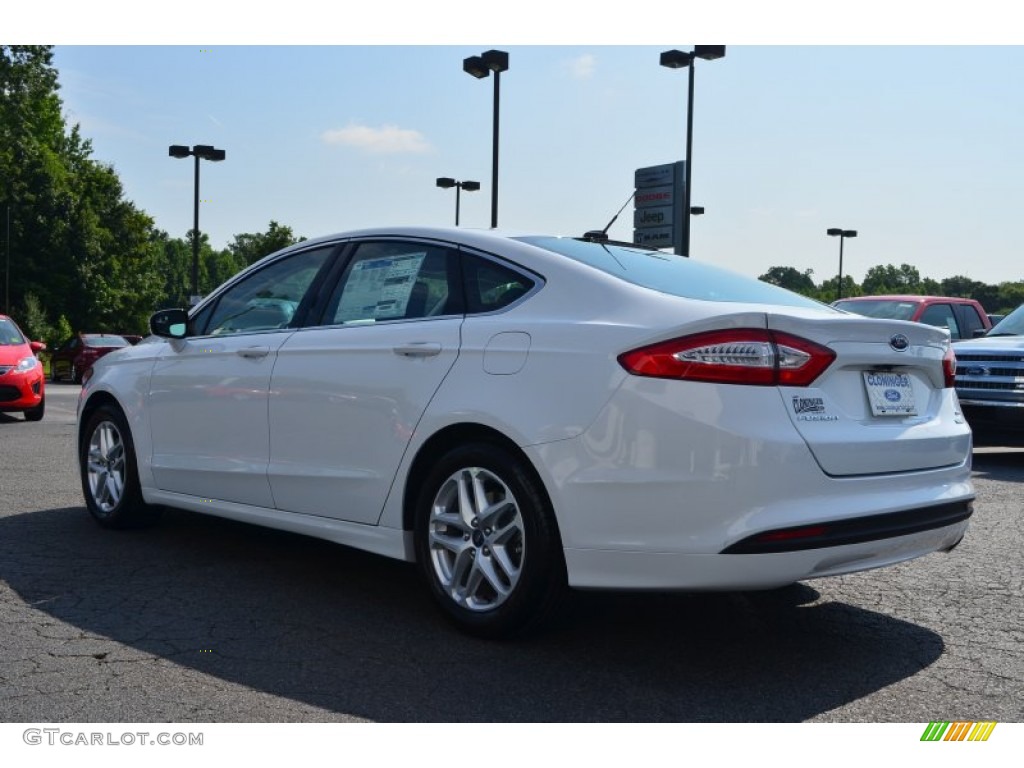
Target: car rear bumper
611,569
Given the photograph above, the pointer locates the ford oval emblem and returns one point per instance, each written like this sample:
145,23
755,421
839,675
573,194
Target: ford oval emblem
892,395
899,342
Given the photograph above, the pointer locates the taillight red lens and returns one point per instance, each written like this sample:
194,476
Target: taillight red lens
752,356
949,368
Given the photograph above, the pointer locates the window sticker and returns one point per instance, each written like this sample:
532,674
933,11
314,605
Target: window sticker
379,289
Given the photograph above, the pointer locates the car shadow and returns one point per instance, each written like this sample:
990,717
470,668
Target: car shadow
356,634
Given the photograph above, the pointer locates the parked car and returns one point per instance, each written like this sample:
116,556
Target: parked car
963,318
518,414
76,355
22,385
990,381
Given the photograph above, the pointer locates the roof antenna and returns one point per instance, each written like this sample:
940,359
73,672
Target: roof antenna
601,235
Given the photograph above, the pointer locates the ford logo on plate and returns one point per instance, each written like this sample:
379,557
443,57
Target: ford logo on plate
892,395
899,342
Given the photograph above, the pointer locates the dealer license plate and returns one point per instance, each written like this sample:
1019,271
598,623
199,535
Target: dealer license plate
890,393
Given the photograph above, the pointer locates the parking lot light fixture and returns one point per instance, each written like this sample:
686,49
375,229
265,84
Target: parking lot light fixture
842,234
199,152
446,182
676,59
480,67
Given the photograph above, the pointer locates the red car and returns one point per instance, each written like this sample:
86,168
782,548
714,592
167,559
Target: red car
76,355
963,318
21,373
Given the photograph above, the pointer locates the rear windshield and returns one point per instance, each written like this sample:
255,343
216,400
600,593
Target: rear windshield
886,309
9,333
672,274
105,341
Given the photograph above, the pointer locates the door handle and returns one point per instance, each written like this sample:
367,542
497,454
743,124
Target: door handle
254,353
419,349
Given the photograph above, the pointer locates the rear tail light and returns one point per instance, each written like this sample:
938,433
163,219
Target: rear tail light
737,356
949,368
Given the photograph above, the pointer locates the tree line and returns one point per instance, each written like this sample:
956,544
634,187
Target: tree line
904,279
77,254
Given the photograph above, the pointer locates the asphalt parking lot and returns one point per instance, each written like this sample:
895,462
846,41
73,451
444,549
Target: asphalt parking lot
203,620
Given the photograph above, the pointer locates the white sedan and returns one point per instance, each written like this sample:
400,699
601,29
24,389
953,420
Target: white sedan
519,414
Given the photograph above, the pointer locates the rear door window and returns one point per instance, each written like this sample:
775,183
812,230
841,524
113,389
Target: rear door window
396,280
970,320
941,316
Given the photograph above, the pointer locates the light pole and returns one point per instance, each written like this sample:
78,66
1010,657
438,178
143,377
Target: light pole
676,60
479,67
842,234
199,152
446,182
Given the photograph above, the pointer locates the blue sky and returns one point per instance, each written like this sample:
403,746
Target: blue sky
918,147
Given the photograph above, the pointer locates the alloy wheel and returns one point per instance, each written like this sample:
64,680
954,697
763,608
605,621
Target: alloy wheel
476,538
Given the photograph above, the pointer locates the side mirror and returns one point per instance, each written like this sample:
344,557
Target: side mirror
979,332
169,323
36,347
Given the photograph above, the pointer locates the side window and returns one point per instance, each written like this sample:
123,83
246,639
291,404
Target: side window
491,286
941,316
396,281
971,320
265,300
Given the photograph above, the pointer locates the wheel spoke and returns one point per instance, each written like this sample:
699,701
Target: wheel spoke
494,514
502,559
479,494
485,567
465,502
449,519
462,570
454,544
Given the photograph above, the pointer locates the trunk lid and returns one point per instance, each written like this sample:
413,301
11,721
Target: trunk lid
882,405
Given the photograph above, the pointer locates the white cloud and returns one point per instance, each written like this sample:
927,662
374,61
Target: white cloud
388,139
583,66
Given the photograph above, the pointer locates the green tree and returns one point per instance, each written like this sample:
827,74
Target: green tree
1011,296
960,285
889,279
828,292
791,278
77,244
32,320
250,247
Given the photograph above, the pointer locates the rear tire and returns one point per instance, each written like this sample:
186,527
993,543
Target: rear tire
487,543
110,480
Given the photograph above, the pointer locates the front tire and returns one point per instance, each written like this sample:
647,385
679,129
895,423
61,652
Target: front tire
487,544
36,414
110,480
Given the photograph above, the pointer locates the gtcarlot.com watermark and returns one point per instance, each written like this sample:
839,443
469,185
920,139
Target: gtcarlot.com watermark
53,737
